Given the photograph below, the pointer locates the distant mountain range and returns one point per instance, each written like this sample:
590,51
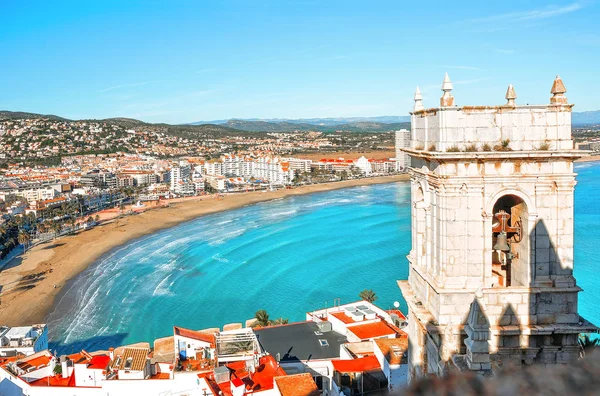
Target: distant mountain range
351,124
348,124
317,121
293,126
586,117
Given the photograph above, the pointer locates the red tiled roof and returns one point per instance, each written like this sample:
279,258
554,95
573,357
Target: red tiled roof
393,348
297,385
359,365
161,376
342,316
194,335
99,362
397,312
374,330
55,381
261,379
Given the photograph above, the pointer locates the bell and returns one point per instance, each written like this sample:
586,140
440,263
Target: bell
502,243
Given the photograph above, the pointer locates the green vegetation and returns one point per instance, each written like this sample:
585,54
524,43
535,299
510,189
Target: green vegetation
587,344
262,319
471,148
368,295
503,146
544,146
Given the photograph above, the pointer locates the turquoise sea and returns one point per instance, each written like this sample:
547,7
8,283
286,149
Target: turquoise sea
287,256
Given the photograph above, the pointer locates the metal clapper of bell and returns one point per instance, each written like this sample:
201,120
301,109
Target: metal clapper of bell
502,243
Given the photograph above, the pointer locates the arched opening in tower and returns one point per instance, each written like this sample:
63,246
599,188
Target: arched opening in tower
510,254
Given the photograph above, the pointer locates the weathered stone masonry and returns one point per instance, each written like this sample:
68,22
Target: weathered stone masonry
491,264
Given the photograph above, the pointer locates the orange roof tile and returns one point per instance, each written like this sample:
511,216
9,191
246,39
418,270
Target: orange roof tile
359,365
297,385
341,316
374,330
393,348
195,335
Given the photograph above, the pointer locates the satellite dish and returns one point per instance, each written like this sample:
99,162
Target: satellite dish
396,304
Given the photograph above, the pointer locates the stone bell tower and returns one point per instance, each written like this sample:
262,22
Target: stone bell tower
491,264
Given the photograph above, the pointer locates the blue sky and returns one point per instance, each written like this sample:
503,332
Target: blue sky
183,61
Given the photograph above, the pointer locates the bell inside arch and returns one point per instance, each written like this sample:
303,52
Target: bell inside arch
502,243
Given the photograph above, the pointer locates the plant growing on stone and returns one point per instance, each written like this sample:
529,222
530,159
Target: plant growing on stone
544,146
486,147
432,147
453,149
503,146
471,148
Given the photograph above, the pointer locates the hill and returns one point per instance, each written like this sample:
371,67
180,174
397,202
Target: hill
288,126
20,115
586,117
317,121
185,131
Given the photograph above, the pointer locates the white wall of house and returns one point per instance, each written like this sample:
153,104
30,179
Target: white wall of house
396,374
189,345
87,377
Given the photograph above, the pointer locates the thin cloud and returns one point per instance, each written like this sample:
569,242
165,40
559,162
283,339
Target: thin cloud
431,87
461,67
504,51
536,14
125,86
471,81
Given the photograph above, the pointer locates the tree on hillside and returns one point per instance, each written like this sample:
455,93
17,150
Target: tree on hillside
368,295
262,318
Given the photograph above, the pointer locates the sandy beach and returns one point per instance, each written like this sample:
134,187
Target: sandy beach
591,158
29,283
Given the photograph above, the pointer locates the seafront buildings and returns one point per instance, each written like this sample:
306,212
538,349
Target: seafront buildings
348,349
491,264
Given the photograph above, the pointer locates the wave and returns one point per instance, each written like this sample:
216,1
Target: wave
161,290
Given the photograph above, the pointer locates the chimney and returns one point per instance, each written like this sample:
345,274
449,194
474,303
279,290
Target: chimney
447,100
111,353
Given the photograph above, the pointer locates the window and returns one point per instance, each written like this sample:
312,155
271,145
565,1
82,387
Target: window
323,343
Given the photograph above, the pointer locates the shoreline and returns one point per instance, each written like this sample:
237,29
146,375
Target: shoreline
31,282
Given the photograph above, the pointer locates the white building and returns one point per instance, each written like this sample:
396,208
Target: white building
298,164
180,173
364,165
402,142
26,340
217,183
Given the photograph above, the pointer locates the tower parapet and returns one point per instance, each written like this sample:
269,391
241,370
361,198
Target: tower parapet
474,128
